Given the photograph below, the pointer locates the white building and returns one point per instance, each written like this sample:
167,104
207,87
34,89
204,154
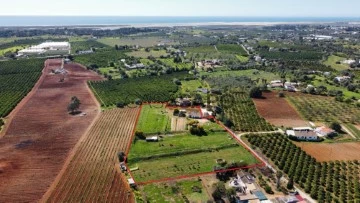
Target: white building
303,133
324,131
48,48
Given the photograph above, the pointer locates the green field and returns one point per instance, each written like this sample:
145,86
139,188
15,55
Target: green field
201,49
144,54
180,143
242,59
331,61
181,66
252,73
231,49
174,192
190,86
141,41
114,72
319,80
11,49
170,167
146,62
154,119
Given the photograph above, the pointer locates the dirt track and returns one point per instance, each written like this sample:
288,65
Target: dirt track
278,111
41,134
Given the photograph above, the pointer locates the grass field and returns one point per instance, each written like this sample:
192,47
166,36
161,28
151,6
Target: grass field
331,61
144,54
180,66
252,73
173,192
179,143
201,49
141,41
324,109
11,49
231,49
191,86
319,80
153,119
171,167
114,72
146,62
242,58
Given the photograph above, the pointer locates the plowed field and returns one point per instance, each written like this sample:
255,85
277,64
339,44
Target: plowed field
40,133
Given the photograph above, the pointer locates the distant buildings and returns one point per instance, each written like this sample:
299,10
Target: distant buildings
47,48
303,133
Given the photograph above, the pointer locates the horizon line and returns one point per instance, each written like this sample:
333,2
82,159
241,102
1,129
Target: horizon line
230,16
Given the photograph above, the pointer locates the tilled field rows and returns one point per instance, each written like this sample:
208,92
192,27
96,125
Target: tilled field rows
92,176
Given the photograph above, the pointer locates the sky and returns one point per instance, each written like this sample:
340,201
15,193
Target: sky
249,8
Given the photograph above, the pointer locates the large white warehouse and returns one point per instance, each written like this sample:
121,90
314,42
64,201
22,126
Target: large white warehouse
48,48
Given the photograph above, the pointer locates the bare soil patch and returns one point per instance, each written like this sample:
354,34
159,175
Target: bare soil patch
40,133
332,152
278,111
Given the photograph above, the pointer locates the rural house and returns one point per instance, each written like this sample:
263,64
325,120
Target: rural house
303,133
324,131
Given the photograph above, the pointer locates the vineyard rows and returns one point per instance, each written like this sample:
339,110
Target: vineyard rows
16,79
240,109
91,176
326,182
325,109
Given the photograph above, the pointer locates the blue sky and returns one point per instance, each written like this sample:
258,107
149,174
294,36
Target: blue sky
276,8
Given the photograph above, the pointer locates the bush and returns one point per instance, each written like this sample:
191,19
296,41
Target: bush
255,92
140,135
176,112
120,105
335,126
268,189
281,94
197,130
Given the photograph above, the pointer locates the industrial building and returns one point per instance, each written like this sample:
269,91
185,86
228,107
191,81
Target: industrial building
47,48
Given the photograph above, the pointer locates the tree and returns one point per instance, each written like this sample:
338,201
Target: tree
74,105
140,135
336,126
290,184
116,47
255,92
121,156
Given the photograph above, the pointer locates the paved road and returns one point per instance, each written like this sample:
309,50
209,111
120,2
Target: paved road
301,192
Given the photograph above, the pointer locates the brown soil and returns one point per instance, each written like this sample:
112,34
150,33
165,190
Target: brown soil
332,152
278,111
40,133
178,124
93,173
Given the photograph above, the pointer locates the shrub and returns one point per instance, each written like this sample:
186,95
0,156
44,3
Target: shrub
335,126
140,135
255,92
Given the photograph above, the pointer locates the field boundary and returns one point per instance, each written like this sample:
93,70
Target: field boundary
229,131
19,106
72,153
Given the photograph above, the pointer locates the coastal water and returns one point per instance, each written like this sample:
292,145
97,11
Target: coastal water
123,20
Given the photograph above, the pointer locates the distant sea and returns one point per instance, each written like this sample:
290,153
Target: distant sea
123,20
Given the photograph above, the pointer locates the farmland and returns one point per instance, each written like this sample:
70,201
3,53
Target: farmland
201,49
324,181
164,192
241,111
305,55
16,79
154,118
85,45
251,73
332,61
180,66
140,41
37,141
101,58
151,89
232,49
324,109
277,111
144,54
91,176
